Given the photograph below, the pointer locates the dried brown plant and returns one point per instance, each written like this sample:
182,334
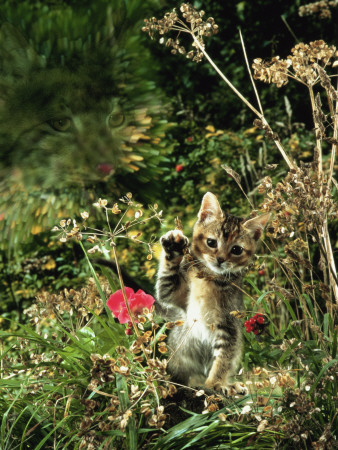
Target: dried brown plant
306,193
322,9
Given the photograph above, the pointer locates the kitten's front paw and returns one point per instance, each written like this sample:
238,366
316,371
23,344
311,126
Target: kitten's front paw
174,243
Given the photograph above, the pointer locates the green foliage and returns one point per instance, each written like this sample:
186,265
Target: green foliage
200,97
64,379
80,116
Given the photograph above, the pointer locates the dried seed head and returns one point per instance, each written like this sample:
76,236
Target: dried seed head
302,64
192,22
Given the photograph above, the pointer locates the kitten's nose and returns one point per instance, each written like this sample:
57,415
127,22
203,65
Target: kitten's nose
220,260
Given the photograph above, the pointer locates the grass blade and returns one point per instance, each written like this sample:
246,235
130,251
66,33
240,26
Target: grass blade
131,430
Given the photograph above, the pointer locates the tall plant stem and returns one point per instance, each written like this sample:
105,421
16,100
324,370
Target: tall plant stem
330,258
324,229
327,241
127,304
318,140
334,146
244,100
250,74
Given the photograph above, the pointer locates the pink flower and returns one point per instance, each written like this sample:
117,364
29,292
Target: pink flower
136,300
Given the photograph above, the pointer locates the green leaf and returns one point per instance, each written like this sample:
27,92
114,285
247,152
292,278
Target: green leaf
200,435
254,286
287,352
122,392
50,434
321,373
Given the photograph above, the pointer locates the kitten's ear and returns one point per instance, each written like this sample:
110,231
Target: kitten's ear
210,208
17,56
256,225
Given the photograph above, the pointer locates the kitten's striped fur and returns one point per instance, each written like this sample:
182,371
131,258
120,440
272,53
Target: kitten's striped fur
202,288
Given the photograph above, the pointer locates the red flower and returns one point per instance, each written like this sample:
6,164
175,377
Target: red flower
190,138
105,168
261,272
136,300
179,168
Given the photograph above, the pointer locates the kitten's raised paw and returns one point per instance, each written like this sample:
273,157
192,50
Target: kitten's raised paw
174,242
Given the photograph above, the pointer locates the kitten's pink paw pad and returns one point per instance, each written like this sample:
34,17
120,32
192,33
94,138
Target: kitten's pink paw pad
174,242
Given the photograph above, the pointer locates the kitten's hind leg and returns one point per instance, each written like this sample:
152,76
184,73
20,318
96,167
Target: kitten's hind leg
235,389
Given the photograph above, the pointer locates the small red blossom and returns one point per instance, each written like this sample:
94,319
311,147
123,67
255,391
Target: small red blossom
261,272
129,331
136,300
190,138
179,168
255,324
105,168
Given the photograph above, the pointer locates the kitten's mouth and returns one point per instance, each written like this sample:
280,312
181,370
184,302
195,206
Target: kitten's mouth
219,269
222,269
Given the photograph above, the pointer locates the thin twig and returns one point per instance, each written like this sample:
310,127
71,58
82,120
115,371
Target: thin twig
334,145
289,28
127,304
248,104
251,77
182,342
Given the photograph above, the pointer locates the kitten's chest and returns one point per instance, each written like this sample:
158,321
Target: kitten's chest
205,304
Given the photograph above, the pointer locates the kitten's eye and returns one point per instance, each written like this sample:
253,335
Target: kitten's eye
212,243
236,250
60,124
115,119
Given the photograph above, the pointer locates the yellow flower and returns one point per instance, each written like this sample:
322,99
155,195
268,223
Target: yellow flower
250,130
213,133
36,229
50,264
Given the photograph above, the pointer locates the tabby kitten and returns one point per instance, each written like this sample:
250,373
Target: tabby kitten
202,288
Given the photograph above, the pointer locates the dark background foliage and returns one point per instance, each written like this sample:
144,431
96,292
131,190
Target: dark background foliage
161,127
138,73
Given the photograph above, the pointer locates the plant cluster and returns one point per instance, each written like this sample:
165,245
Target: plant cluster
304,65
322,9
77,304
78,377
192,23
131,217
255,324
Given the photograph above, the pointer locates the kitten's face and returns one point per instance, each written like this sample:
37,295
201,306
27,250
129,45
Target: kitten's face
224,243
60,126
